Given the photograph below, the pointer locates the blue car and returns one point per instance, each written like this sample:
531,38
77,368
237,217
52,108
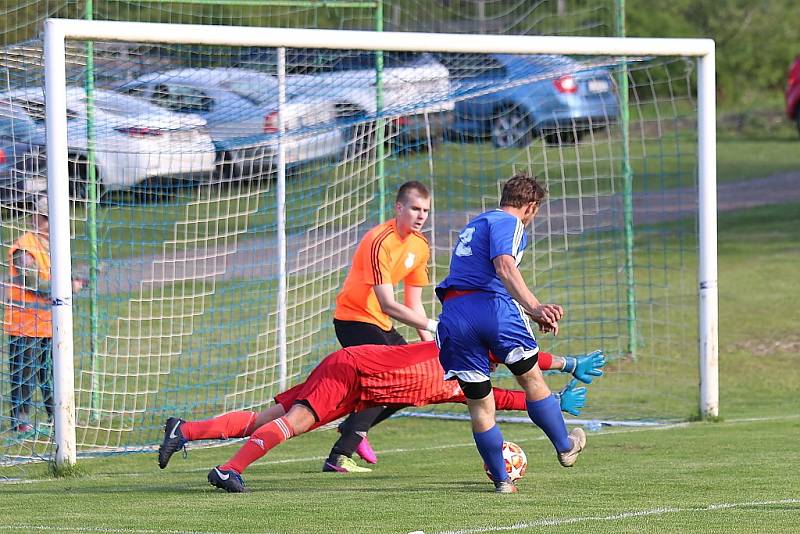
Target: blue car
517,97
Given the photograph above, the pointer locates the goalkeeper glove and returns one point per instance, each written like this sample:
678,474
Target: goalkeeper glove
572,399
585,368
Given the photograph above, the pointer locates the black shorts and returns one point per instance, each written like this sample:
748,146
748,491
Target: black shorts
354,333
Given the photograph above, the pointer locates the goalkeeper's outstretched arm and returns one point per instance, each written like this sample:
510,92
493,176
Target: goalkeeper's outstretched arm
584,368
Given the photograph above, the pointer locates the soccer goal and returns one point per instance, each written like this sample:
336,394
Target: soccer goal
214,291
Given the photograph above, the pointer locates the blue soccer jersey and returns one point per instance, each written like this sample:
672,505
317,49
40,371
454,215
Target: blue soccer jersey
485,237
486,318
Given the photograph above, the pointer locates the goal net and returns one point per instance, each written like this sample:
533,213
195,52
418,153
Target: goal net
217,191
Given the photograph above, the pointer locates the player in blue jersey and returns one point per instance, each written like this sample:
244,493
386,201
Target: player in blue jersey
486,306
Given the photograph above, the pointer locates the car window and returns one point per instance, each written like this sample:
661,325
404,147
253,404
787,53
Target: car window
465,66
181,98
312,61
35,109
139,90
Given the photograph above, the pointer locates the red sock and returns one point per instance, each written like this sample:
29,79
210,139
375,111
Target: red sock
262,441
229,425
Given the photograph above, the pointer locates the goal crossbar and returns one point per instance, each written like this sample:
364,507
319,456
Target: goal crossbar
57,31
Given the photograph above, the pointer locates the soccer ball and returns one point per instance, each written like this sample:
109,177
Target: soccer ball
516,461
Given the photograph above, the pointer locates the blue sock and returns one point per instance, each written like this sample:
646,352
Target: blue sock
546,414
490,445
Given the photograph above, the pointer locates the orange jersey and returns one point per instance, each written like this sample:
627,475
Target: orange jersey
382,257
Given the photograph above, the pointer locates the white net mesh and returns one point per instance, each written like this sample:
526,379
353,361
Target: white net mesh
179,311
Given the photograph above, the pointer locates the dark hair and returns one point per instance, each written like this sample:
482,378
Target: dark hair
406,188
521,189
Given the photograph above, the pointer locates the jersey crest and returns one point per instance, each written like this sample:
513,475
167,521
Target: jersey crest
409,260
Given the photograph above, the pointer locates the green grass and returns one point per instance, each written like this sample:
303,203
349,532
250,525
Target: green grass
732,476
430,478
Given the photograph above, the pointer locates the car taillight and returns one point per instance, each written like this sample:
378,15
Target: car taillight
271,122
2,156
140,131
566,84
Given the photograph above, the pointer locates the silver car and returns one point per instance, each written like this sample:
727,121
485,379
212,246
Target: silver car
240,107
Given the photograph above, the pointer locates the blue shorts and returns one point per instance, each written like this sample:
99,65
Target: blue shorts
472,325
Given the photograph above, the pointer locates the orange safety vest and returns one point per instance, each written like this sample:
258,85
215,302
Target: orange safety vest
28,314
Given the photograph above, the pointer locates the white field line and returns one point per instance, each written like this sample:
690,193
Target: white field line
620,516
592,436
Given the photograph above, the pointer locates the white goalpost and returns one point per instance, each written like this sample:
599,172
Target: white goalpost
59,31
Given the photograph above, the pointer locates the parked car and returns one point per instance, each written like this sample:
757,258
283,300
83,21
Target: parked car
563,98
415,88
17,152
134,140
240,107
793,93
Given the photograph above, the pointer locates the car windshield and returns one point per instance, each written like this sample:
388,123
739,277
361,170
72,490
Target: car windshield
463,66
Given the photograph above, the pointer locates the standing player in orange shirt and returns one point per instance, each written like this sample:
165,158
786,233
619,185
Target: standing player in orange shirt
390,253
347,380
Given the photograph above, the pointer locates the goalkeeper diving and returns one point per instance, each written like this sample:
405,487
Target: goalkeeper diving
349,380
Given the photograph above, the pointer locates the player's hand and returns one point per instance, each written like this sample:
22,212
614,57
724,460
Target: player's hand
571,398
547,317
589,366
433,326
546,328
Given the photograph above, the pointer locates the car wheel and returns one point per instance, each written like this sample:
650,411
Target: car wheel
358,134
79,178
261,164
561,137
511,128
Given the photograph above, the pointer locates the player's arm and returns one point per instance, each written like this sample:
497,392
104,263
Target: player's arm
414,318
412,296
546,315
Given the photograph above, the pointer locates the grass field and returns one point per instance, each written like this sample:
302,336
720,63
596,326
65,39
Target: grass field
736,475
732,476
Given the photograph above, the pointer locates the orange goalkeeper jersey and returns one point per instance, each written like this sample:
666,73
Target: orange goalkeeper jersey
382,257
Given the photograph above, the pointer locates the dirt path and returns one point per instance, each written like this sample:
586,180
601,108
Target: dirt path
319,250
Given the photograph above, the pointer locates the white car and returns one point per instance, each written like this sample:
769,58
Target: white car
416,86
134,140
240,107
